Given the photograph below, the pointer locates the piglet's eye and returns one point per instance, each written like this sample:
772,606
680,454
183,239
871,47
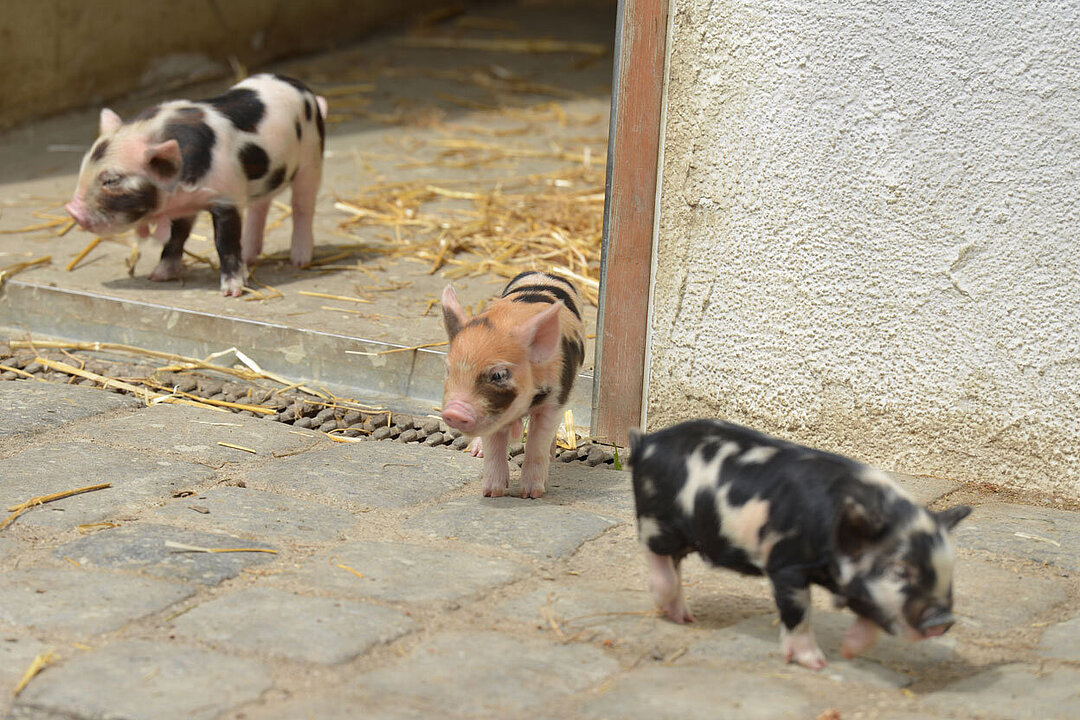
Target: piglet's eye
904,572
110,180
499,376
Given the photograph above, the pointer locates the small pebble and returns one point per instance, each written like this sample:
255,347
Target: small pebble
381,433
454,433
595,456
218,396
352,432
324,415
34,368
567,456
275,417
516,448
328,425
304,422
351,418
435,438
209,388
431,425
403,421
460,442
395,431
518,460
8,375
186,383
409,435
378,421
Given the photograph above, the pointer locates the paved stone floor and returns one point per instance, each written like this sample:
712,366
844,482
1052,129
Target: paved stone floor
396,591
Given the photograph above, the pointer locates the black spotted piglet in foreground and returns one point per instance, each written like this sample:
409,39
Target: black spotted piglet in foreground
799,516
224,154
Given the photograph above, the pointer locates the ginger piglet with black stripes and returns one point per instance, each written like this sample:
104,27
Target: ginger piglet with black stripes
518,358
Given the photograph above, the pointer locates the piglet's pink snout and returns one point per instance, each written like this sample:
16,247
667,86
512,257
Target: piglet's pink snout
459,415
77,210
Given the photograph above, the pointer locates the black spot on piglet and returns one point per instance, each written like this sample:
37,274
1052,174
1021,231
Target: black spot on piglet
131,204
242,107
276,178
307,109
299,131
99,151
196,140
254,160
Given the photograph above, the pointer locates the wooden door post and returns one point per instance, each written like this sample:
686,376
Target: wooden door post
629,217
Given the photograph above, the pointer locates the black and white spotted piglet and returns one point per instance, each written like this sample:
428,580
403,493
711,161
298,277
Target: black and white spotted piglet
223,154
799,516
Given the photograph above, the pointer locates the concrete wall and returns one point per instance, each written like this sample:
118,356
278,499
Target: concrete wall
61,54
870,232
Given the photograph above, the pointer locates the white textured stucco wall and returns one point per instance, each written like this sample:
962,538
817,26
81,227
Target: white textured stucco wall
870,232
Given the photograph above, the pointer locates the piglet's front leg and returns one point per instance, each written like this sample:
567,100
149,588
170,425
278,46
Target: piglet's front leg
859,638
227,230
543,423
496,467
172,255
796,634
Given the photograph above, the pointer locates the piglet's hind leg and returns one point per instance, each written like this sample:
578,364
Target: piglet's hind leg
305,187
251,242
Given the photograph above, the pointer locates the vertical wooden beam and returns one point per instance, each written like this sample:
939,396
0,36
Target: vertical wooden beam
629,217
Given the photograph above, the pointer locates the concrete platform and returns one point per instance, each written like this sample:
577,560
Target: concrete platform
459,119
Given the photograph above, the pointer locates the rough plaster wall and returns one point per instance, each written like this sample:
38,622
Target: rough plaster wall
870,232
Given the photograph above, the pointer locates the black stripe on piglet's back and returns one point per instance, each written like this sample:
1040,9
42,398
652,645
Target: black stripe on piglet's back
530,293
573,355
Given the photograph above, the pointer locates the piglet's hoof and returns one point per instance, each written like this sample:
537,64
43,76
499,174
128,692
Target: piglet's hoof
166,270
232,286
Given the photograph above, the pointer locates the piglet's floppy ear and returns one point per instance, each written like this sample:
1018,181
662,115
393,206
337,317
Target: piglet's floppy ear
108,121
856,527
541,334
453,315
949,518
163,161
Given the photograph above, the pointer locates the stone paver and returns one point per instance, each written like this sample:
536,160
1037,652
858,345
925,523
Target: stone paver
490,673
610,489
994,598
1034,533
280,623
399,572
374,474
340,705
55,468
31,407
1062,641
257,514
591,612
144,680
678,692
1014,692
194,434
757,639
526,526
80,601
16,654
143,547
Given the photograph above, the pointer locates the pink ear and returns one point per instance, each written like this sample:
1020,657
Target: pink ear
453,314
163,161
108,121
541,334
